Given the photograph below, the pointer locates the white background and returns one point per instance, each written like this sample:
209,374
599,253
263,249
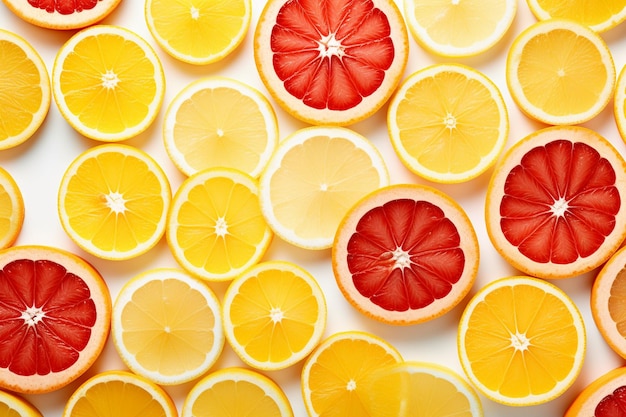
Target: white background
38,166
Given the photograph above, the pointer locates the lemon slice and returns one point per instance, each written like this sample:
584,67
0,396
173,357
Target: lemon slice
599,16
11,209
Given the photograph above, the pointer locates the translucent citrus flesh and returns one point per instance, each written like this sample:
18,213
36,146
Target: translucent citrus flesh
600,16
617,302
11,210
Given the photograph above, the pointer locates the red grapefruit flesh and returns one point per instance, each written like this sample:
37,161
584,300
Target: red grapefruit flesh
332,62
54,318
405,254
62,14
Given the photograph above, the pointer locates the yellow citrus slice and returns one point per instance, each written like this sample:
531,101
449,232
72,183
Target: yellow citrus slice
315,175
198,32
113,201
167,326
11,209
25,90
448,123
603,397
236,392
560,72
108,83
119,393
333,62
459,28
521,341
619,103
220,122
13,406
215,228
274,315
347,375
599,16
62,15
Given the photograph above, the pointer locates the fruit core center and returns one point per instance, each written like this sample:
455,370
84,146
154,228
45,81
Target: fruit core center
116,202
276,314
195,13
351,386
33,315
401,258
449,121
221,228
110,80
455,2
559,207
519,341
330,46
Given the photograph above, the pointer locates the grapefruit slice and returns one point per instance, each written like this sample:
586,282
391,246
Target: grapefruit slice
62,14
55,311
332,62
405,254
603,397
554,206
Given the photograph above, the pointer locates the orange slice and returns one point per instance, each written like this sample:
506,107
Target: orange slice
555,203
56,312
13,406
603,397
61,14
11,209
619,104
599,16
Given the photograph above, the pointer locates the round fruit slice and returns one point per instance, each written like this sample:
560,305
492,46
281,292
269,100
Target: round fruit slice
55,310
198,32
25,86
560,72
619,104
459,28
220,122
521,341
113,201
313,178
274,315
108,83
215,228
555,203
62,14
405,254
167,326
599,17
335,62
448,123
236,392
604,397
14,406
11,210
119,393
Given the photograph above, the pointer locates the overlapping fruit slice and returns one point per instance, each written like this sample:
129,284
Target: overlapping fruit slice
62,14
603,397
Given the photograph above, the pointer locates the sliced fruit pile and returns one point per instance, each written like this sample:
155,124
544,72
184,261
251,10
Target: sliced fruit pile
232,227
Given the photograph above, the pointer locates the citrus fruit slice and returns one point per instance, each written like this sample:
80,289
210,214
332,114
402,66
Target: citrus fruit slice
560,72
13,406
603,397
405,254
274,315
55,310
310,183
236,392
335,62
198,32
167,326
119,393
521,341
220,122
62,14
344,374
25,86
600,17
11,209
448,123
555,203
113,201
459,28
619,104
108,83
215,228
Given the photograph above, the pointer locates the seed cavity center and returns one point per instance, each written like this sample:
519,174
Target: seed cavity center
276,314
116,202
110,80
330,46
519,341
33,315
401,258
221,227
560,207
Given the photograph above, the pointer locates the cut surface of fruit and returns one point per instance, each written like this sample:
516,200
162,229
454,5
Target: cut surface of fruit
603,397
215,228
619,104
220,122
113,201
11,209
25,90
521,341
344,376
335,62
56,311
198,32
108,83
236,392
599,16
13,406
405,254
62,14
274,315
119,393
310,183
459,28
555,203
167,326
560,72
448,123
